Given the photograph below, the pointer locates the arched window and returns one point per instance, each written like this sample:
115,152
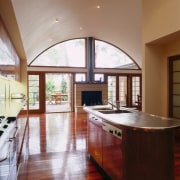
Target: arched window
109,56
70,53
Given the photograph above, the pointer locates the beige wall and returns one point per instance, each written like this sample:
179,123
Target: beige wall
161,39
23,75
160,18
153,79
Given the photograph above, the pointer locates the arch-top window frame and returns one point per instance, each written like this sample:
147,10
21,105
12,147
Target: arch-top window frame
68,51
119,59
112,57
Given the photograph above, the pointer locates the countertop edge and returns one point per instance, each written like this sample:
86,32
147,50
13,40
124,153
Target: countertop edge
136,120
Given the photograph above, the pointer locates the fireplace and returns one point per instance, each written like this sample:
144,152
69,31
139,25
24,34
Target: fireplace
94,93
90,98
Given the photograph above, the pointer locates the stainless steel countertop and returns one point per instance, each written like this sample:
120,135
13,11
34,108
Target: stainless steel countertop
135,119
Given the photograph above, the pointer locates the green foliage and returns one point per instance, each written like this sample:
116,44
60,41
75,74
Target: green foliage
50,87
63,86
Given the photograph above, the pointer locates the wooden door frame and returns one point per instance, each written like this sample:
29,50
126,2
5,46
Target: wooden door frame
170,96
41,92
129,86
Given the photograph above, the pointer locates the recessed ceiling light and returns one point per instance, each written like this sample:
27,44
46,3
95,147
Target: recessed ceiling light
56,20
98,6
80,28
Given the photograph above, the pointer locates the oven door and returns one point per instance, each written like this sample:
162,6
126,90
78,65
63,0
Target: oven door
8,158
13,155
4,161
112,153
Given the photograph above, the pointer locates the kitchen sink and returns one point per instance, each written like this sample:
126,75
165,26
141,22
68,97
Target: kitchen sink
103,109
113,111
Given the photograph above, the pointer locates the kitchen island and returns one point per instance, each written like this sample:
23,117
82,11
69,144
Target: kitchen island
130,144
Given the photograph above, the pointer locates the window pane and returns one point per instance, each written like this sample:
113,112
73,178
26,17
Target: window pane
135,89
176,77
80,77
33,91
99,77
112,88
70,54
123,90
108,56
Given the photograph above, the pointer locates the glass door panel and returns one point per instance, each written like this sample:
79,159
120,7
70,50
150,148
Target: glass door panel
176,112
58,92
33,81
135,89
112,88
176,89
123,90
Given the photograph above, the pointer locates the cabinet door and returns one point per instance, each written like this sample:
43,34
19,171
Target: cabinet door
23,139
112,155
95,142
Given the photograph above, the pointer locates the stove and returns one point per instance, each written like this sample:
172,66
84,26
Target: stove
7,130
2,119
2,123
8,147
6,125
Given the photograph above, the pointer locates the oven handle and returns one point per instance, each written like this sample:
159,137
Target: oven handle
7,150
15,134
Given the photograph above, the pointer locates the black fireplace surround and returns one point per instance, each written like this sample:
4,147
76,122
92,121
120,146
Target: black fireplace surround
91,98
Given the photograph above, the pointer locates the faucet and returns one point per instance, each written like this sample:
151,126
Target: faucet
116,105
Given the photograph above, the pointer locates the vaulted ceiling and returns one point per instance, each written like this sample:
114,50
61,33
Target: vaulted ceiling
36,25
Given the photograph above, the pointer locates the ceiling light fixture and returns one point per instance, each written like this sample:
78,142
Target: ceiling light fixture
56,20
98,6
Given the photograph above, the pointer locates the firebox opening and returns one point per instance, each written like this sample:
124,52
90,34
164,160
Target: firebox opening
90,98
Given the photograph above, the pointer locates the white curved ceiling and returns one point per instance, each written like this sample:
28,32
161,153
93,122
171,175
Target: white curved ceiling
116,21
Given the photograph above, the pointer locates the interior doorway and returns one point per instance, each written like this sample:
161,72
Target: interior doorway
174,87
58,92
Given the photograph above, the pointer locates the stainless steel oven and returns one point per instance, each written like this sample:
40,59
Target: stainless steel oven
8,155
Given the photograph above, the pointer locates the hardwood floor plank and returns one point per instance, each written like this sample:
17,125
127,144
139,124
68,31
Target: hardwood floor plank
58,149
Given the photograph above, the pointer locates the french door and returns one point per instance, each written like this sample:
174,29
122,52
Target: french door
58,92
45,88
36,92
124,88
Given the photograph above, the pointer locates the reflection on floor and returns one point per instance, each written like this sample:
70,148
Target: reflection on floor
64,106
61,107
57,149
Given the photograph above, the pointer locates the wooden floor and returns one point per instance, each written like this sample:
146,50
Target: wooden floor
58,149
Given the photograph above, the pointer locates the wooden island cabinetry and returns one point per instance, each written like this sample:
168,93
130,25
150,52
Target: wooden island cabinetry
112,155
95,138
136,146
148,155
104,147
